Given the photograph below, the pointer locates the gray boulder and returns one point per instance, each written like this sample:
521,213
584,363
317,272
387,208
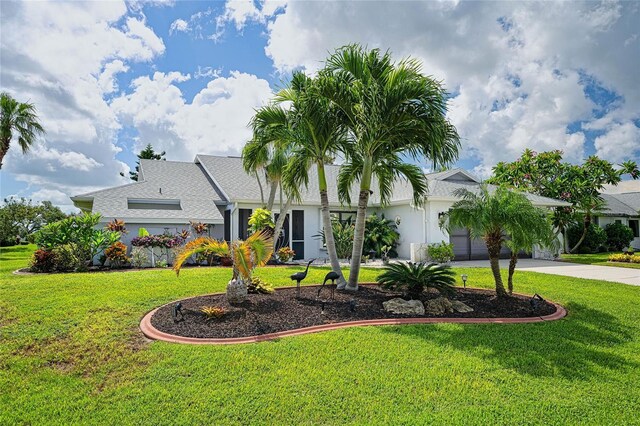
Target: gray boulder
460,307
438,306
404,307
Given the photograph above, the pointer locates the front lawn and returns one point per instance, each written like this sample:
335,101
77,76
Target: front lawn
71,353
601,259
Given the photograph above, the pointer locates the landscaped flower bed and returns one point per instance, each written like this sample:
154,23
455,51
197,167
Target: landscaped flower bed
281,311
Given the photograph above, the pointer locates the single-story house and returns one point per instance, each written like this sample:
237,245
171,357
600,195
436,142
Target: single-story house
622,208
216,190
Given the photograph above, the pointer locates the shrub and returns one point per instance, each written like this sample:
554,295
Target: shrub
69,257
625,257
43,261
414,278
618,236
259,286
161,240
440,252
596,238
139,257
285,254
142,232
162,263
116,254
117,225
199,228
213,312
260,219
343,233
380,232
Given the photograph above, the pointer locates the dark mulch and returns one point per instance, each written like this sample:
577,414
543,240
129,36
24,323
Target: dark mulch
280,311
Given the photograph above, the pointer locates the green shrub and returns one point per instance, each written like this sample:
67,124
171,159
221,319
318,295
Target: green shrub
116,254
619,236
285,254
414,278
624,257
343,233
139,257
142,232
69,257
380,232
440,252
260,219
259,286
596,238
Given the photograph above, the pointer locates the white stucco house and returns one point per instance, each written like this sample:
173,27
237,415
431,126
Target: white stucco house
216,190
622,208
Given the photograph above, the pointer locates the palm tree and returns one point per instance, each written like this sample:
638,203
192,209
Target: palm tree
534,228
393,113
493,214
20,118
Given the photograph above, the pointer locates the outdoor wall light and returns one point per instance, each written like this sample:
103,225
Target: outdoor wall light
398,219
464,280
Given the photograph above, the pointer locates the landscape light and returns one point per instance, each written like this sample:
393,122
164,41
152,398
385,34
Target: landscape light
464,280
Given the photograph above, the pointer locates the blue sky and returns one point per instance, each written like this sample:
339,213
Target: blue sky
109,77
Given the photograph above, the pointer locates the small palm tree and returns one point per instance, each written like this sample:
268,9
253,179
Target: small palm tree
247,255
393,113
414,278
20,118
493,214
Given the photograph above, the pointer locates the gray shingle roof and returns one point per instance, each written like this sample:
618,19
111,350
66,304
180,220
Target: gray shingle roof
626,204
163,180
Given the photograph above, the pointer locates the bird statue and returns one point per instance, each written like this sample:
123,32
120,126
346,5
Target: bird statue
299,276
333,276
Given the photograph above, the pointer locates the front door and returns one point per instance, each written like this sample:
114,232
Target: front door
297,233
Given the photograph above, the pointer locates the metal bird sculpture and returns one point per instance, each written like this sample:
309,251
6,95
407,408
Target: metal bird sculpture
333,276
299,276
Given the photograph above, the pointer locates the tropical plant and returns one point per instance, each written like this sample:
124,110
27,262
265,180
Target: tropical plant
161,240
147,153
246,255
393,114
139,257
117,225
414,278
69,258
440,252
116,254
342,236
199,228
19,118
490,214
624,257
259,286
619,235
285,254
593,241
142,232
261,220
579,184
380,232
213,312
43,261
311,127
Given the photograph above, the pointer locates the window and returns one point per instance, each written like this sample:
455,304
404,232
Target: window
633,224
618,221
149,204
343,217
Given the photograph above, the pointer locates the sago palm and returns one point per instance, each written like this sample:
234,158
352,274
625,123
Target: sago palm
414,278
17,119
393,114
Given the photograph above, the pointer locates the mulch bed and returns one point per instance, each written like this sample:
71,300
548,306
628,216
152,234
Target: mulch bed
281,311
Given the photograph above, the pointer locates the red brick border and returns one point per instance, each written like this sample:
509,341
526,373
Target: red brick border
153,333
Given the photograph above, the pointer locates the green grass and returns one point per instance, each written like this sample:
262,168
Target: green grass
71,353
601,259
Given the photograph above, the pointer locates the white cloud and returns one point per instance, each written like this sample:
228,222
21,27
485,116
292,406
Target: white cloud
215,122
516,70
240,12
179,26
619,143
207,72
64,58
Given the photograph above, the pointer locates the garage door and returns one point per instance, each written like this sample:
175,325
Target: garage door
466,248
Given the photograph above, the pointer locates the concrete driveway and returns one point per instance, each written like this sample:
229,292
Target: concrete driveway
605,273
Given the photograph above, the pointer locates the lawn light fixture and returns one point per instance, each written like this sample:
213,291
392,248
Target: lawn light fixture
397,220
464,280
177,312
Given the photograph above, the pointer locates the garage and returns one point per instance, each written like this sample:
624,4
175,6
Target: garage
466,248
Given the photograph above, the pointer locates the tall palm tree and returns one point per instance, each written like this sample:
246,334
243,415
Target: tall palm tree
20,118
493,214
393,114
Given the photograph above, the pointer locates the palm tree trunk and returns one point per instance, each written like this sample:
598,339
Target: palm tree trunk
260,186
272,194
281,217
4,147
328,228
493,247
512,269
361,217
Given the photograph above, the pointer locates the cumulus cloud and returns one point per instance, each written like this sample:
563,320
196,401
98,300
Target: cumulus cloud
516,71
214,122
64,58
179,26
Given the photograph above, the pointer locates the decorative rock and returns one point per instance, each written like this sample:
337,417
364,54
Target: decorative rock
237,291
460,307
438,306
404,307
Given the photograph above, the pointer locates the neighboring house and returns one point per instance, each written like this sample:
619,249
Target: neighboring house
216,190
622,208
